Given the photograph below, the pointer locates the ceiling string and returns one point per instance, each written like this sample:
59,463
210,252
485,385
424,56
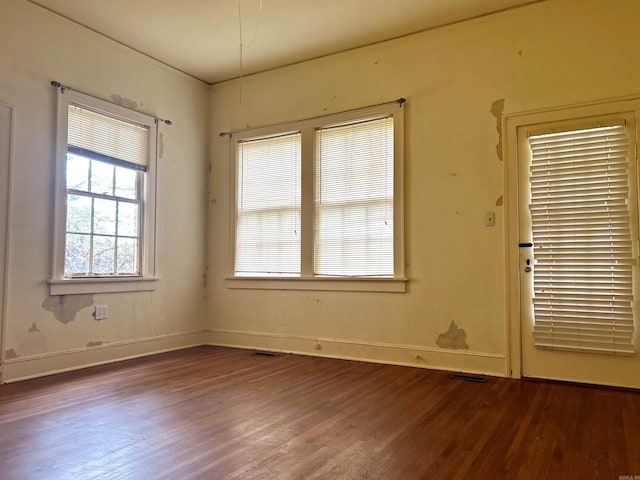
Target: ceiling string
243,45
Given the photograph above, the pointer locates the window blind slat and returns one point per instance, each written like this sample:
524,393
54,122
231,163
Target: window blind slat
583,244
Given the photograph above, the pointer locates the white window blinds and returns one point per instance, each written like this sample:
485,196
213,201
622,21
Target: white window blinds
268,207
583,241
96,135
354,199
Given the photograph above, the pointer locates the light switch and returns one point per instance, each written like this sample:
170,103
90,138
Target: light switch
490,219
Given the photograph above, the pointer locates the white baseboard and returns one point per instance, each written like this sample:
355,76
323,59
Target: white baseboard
387,353
23,368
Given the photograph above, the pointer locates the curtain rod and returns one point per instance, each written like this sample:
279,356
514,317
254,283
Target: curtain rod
62,88
399,101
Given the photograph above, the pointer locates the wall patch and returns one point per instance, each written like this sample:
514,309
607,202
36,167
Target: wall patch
10,354
125,102
454,338
65,307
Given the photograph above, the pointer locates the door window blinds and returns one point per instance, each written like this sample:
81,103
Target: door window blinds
583,241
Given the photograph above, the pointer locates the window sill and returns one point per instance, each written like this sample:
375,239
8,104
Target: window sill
344,284
75,286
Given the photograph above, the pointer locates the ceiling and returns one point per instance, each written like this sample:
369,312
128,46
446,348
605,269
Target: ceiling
202,37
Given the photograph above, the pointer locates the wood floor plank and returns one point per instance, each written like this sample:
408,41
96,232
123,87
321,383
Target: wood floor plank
223,413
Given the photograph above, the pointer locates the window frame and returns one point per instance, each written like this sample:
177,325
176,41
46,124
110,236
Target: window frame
59,284
307,280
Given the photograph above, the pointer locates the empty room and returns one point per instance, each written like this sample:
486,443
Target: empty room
293,239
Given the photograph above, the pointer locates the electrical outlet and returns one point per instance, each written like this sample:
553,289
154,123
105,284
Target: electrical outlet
102,312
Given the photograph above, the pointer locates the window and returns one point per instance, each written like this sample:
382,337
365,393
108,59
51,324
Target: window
354,199
268,206
105,192
318,203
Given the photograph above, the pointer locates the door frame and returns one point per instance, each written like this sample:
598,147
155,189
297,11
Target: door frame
510,124
6,171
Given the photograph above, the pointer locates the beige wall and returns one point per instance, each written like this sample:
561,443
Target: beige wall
35,48
544,55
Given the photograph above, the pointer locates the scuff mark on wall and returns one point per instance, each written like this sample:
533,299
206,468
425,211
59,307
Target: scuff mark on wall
10,354
500,201
34,328
65,307
94,344
125,102
454,338
497,107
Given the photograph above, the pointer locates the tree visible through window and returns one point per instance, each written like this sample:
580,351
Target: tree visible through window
103,217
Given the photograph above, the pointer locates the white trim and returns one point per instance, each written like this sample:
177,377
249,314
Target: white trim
375,352
23,368
4,295
72,286
345,284
59,285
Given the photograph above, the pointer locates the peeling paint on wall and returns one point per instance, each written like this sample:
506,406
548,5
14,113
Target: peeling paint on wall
94,344
65,307
497,108
125,102
500,201
454,338
10,354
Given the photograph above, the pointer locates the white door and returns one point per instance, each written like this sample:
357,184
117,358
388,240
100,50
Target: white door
5,153
578,245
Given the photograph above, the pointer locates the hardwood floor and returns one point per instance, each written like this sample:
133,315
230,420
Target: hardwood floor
214,413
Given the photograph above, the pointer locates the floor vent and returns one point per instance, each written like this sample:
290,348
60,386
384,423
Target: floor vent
468,378
265,354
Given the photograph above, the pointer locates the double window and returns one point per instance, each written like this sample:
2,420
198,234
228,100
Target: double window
105,197
319,200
